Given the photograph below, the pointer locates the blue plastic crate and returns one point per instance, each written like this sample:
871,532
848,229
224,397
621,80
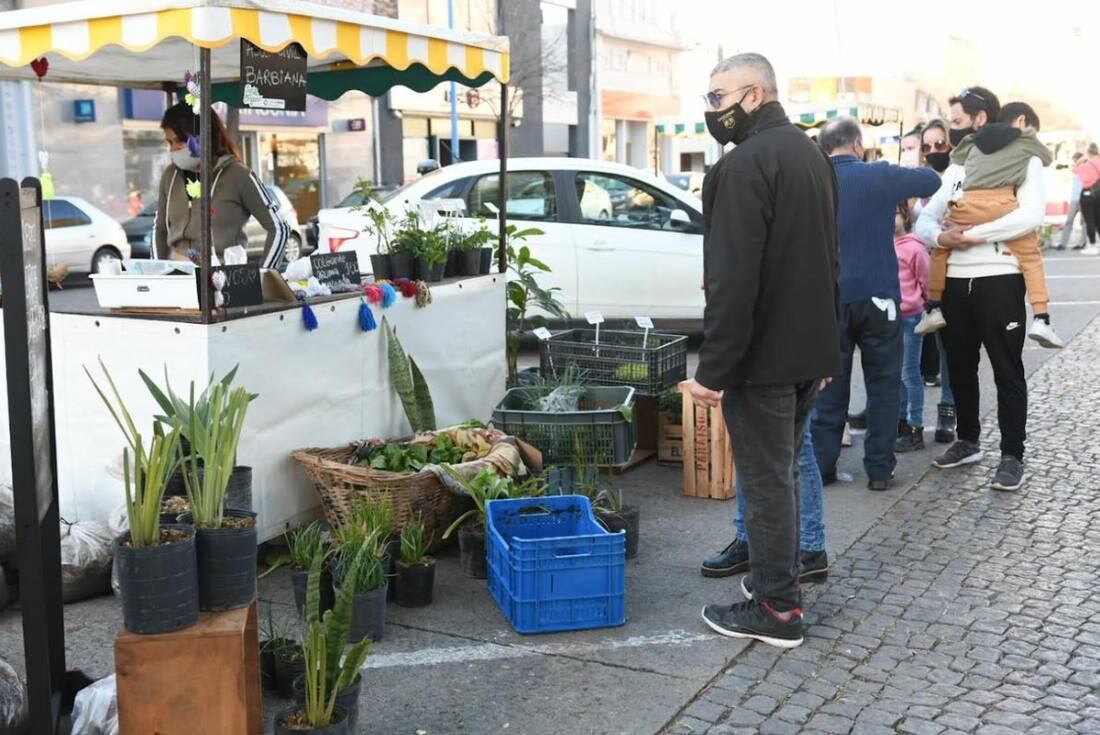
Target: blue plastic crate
552,567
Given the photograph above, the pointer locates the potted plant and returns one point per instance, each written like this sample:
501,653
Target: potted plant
416,570
379,223
290,663
615,516
157,572
330,680
525,294
225,539
305,545
273,636
405,245
378,518
368,583
431,255
471,251
454,239
486,485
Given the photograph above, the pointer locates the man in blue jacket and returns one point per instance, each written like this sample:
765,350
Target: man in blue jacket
870,300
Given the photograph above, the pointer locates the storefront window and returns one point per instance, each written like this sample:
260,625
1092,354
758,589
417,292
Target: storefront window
292,162
146,156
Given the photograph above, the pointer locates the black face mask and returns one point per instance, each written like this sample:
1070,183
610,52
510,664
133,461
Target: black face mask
956,136
730,125
939,161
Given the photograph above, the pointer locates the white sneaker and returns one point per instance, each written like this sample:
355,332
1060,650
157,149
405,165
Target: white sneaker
1045,335
1091,250
930,321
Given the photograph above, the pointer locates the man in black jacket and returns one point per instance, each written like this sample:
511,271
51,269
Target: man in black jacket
770,268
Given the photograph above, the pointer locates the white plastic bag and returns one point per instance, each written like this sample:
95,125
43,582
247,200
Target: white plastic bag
13,702
7,524
235,255
299,270
85,560
95,711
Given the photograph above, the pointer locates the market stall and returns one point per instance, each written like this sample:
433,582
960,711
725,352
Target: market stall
319,386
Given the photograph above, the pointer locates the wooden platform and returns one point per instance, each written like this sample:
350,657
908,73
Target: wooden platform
204,680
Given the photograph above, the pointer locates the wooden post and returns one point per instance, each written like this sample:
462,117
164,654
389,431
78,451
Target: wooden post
215,663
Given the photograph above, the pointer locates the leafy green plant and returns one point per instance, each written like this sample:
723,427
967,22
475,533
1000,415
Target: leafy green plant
377,516
274,633
370,574
409,383
327,671
479,238
214,442
487,485
671,402
175,407
525,293
306,544
145,479
415,542
395,457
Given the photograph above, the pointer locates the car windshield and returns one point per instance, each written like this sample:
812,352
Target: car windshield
679,180
398,191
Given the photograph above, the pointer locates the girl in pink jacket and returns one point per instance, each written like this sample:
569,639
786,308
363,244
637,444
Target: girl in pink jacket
913,261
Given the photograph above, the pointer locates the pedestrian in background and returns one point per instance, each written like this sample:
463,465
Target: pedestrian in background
770,325
870,299
913,260
1074,211
1088,171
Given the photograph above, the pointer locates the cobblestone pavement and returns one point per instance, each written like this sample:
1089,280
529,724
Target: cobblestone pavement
962,609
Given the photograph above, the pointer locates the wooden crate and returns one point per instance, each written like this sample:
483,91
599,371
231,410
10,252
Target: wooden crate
205,679
709,471
670,440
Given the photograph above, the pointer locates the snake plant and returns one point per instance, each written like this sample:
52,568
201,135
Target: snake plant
409,383
214,442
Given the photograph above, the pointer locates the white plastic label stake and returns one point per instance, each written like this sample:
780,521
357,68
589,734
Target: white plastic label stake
647,324
593,317
542,333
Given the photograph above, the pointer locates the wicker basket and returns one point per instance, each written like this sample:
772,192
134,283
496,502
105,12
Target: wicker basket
342,485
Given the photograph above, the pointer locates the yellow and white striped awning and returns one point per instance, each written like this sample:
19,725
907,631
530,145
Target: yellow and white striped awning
148,42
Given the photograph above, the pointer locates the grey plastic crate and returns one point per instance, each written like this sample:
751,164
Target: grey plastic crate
599,434
648,365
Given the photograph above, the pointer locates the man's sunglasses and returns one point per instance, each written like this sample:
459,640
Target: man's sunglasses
714,97
971,93
940,146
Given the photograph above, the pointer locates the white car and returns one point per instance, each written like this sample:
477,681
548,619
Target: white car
618,240
81,237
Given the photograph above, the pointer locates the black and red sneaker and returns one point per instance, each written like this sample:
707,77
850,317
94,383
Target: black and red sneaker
756,620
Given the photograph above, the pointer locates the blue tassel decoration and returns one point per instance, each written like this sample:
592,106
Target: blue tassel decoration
308,317
389,295
366,317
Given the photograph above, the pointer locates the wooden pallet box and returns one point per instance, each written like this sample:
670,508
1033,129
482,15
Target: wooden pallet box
709,471
670,439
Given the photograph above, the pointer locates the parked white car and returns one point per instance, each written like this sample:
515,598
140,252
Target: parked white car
619,240
81,237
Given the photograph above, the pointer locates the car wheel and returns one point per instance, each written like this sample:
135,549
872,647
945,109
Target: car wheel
293,248
104,255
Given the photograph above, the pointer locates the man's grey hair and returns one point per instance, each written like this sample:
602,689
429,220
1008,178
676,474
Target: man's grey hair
757,64
840,133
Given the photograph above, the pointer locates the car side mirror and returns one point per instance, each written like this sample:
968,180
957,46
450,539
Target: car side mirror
678,219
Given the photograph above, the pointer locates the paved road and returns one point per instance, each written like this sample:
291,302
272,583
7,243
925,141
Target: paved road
988,566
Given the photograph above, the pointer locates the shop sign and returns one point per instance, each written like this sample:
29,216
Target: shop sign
336,270
84,111
357,125
273,81
243,286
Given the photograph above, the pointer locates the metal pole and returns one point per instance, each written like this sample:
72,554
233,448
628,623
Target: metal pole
205,166
502,144
455,158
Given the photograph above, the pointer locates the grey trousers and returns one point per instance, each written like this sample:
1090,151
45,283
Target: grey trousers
1067,228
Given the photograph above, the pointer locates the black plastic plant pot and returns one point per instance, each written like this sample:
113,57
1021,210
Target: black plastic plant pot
430,272
340,723
175,485
389,561
227,564
415,583
453,256
347,700
268,674
238,492
159,584
368,615
289,665
625,520
380,266
471,545
299,578
469,262
402,265
486,261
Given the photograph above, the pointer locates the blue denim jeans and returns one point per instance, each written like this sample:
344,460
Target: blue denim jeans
812,500
912,384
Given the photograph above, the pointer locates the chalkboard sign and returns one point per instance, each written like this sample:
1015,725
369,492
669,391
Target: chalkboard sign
243,286
338,271
273,81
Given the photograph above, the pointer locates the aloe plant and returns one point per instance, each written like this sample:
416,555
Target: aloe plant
306,544
376,515
415,542
175,407
146,478
328,672
488,485
213,441
409,383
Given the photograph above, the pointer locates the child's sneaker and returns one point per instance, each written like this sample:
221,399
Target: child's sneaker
1045,335
930,321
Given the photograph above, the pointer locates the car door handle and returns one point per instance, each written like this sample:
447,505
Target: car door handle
599,247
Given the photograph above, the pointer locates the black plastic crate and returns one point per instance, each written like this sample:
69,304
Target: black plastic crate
599,434
620,358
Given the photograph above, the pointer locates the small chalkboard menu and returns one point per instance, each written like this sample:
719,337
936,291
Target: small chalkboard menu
338,271
243,286
273,81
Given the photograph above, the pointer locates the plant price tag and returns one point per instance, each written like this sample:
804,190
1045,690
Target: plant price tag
542,333
647,324
596,318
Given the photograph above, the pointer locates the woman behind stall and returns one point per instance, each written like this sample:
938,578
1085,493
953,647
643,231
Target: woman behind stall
235,194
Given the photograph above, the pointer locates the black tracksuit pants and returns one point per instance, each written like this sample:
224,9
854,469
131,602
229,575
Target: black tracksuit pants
1090,210
988,312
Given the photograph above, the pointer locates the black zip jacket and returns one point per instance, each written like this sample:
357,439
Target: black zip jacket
770,261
